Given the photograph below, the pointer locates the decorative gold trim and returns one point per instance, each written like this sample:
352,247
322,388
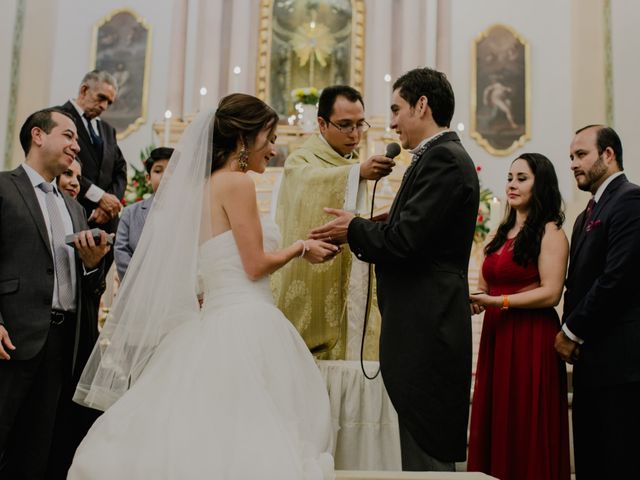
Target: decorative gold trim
483,142
264,47
147,63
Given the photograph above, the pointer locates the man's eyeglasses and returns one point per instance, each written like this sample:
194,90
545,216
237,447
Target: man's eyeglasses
348,128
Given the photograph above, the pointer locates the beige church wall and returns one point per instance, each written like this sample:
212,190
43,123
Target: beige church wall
625,19
6,44
71,54
549,38
34,72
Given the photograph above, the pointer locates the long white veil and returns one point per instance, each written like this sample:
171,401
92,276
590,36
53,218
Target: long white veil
159,290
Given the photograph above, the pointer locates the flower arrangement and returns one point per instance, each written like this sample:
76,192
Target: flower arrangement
306,95
484,212
138,188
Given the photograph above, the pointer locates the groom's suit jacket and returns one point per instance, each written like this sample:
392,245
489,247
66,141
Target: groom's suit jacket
421,255
601,301
27,269
105,168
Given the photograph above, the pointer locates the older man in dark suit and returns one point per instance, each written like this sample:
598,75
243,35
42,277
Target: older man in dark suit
601,330
41,285
104,169
421,255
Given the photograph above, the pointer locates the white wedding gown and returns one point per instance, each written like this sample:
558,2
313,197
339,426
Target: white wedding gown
232,395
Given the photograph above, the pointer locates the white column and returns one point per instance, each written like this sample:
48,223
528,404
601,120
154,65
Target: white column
443,38
378,43
240,48
175,91
208,57
412,35
431,30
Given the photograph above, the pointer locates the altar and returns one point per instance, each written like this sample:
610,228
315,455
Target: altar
364,420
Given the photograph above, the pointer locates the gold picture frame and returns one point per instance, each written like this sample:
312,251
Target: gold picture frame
315,41
500,90
121,45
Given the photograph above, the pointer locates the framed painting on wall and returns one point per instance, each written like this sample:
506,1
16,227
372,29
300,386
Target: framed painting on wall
500,91
121,46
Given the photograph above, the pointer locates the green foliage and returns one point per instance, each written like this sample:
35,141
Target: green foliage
484,212
138,188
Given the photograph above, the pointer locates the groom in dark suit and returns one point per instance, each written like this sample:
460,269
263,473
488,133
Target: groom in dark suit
601,321
421,255
41,285
104,169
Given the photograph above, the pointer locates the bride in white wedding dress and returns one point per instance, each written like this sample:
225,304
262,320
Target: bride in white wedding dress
228,391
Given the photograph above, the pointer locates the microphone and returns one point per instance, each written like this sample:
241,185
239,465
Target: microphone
393,150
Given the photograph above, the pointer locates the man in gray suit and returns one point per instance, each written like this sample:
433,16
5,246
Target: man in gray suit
41,285
134,216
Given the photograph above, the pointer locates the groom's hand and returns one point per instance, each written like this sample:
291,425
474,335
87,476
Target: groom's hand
334,231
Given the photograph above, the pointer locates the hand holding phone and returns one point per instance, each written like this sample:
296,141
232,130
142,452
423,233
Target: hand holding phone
95,233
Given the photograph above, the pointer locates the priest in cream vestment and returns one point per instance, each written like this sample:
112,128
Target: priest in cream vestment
327,302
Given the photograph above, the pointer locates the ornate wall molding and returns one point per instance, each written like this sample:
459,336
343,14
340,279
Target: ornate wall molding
14,82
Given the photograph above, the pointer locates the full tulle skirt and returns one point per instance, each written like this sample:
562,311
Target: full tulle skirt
233,394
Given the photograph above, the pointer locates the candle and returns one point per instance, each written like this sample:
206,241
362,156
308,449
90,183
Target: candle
387,110
236,78
203,92
167,127
495,214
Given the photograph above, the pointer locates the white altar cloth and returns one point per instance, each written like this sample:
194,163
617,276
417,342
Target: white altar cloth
367,436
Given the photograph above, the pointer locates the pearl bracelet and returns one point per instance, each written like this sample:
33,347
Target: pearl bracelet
305,248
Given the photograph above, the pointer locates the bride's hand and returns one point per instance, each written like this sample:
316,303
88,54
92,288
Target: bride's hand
319,251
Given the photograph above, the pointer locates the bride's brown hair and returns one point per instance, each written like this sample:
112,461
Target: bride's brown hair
239,117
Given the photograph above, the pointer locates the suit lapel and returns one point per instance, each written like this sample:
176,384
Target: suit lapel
83,135
411,169
23,184
75,221
597,210
396,201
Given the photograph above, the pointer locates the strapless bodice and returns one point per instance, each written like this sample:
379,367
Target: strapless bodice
222,276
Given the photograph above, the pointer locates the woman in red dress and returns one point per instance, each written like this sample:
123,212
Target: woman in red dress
519,420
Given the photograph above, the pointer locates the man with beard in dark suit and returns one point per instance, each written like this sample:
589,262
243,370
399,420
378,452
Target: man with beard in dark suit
104,169
601,320
42,283
421,253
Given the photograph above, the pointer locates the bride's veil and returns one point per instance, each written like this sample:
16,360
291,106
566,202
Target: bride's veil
159,290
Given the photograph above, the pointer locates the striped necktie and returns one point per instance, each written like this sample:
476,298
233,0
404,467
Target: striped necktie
61,258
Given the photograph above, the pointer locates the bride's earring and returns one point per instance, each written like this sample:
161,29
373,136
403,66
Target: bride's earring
243,156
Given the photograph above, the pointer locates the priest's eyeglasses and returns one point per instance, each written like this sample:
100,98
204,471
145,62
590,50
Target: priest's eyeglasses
349,127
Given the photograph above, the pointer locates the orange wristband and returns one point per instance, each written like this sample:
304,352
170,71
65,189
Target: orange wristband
505,302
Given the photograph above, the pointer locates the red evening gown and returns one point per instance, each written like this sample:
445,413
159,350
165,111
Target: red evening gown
519,420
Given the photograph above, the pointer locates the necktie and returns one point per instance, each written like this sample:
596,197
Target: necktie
60,252
95,138
588,212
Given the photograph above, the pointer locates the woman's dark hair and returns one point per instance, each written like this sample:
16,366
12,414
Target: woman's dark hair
239,117
546,206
